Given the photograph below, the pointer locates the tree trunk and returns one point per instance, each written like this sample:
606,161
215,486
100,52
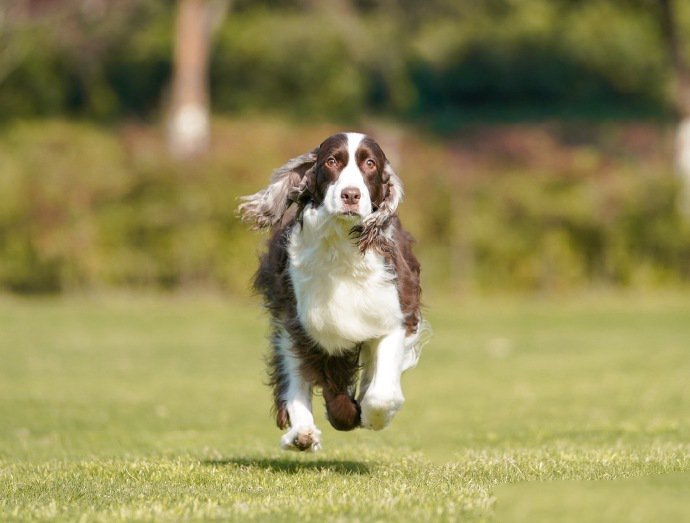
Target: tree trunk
681,73
188,124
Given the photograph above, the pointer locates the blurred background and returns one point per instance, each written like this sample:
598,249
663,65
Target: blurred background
542,142
545,150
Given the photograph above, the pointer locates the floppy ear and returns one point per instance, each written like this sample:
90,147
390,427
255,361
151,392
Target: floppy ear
394,191
371,232
288,183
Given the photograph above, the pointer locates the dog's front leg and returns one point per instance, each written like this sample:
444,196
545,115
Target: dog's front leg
303,434
383,397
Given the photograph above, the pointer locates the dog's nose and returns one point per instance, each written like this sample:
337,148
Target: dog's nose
350,195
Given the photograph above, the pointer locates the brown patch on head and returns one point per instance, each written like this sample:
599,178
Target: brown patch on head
331,159
372,162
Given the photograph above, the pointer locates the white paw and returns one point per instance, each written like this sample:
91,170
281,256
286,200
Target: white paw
302,438
378,410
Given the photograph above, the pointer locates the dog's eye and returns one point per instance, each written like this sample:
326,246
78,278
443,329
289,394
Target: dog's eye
370,163
331,162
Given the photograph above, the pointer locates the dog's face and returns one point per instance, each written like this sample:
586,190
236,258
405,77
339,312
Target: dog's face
346,177
349,178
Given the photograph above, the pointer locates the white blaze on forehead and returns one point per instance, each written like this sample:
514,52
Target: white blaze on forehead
353,141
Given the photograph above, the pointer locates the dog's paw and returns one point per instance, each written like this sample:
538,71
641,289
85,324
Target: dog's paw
303,438
379,410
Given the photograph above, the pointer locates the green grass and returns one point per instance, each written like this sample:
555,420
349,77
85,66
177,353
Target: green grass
637,500
153,408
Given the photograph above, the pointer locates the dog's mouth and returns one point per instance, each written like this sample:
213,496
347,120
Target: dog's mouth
350,214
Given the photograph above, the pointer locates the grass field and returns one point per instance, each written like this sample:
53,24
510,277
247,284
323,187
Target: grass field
153,408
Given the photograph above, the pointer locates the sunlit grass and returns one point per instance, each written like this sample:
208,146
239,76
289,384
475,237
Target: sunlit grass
144,407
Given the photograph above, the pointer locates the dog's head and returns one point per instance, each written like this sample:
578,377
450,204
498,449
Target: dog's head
350,176
347,177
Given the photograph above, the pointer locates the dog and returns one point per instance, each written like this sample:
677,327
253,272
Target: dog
342,287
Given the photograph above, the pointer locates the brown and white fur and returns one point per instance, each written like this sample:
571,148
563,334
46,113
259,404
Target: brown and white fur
342,287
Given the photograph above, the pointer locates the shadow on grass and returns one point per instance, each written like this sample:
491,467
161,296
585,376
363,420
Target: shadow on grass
292,467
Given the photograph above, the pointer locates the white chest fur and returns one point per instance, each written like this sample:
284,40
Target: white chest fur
343,297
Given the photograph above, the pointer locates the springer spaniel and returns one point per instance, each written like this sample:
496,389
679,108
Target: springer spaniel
342,287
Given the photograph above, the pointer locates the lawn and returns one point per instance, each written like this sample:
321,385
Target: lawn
154,408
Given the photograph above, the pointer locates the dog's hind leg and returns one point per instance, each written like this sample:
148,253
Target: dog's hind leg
339,374
292,396
336,376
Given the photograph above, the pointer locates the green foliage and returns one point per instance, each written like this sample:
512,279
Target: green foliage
508,207
540,231
536,58
37,82
138,68
83,211
268,62
95,63
148,408
436,61
542,208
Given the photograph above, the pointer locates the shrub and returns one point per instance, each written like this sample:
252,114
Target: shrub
528,207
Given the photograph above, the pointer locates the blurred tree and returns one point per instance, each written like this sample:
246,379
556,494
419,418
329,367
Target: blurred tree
681,73
188,127
443,62
53,54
